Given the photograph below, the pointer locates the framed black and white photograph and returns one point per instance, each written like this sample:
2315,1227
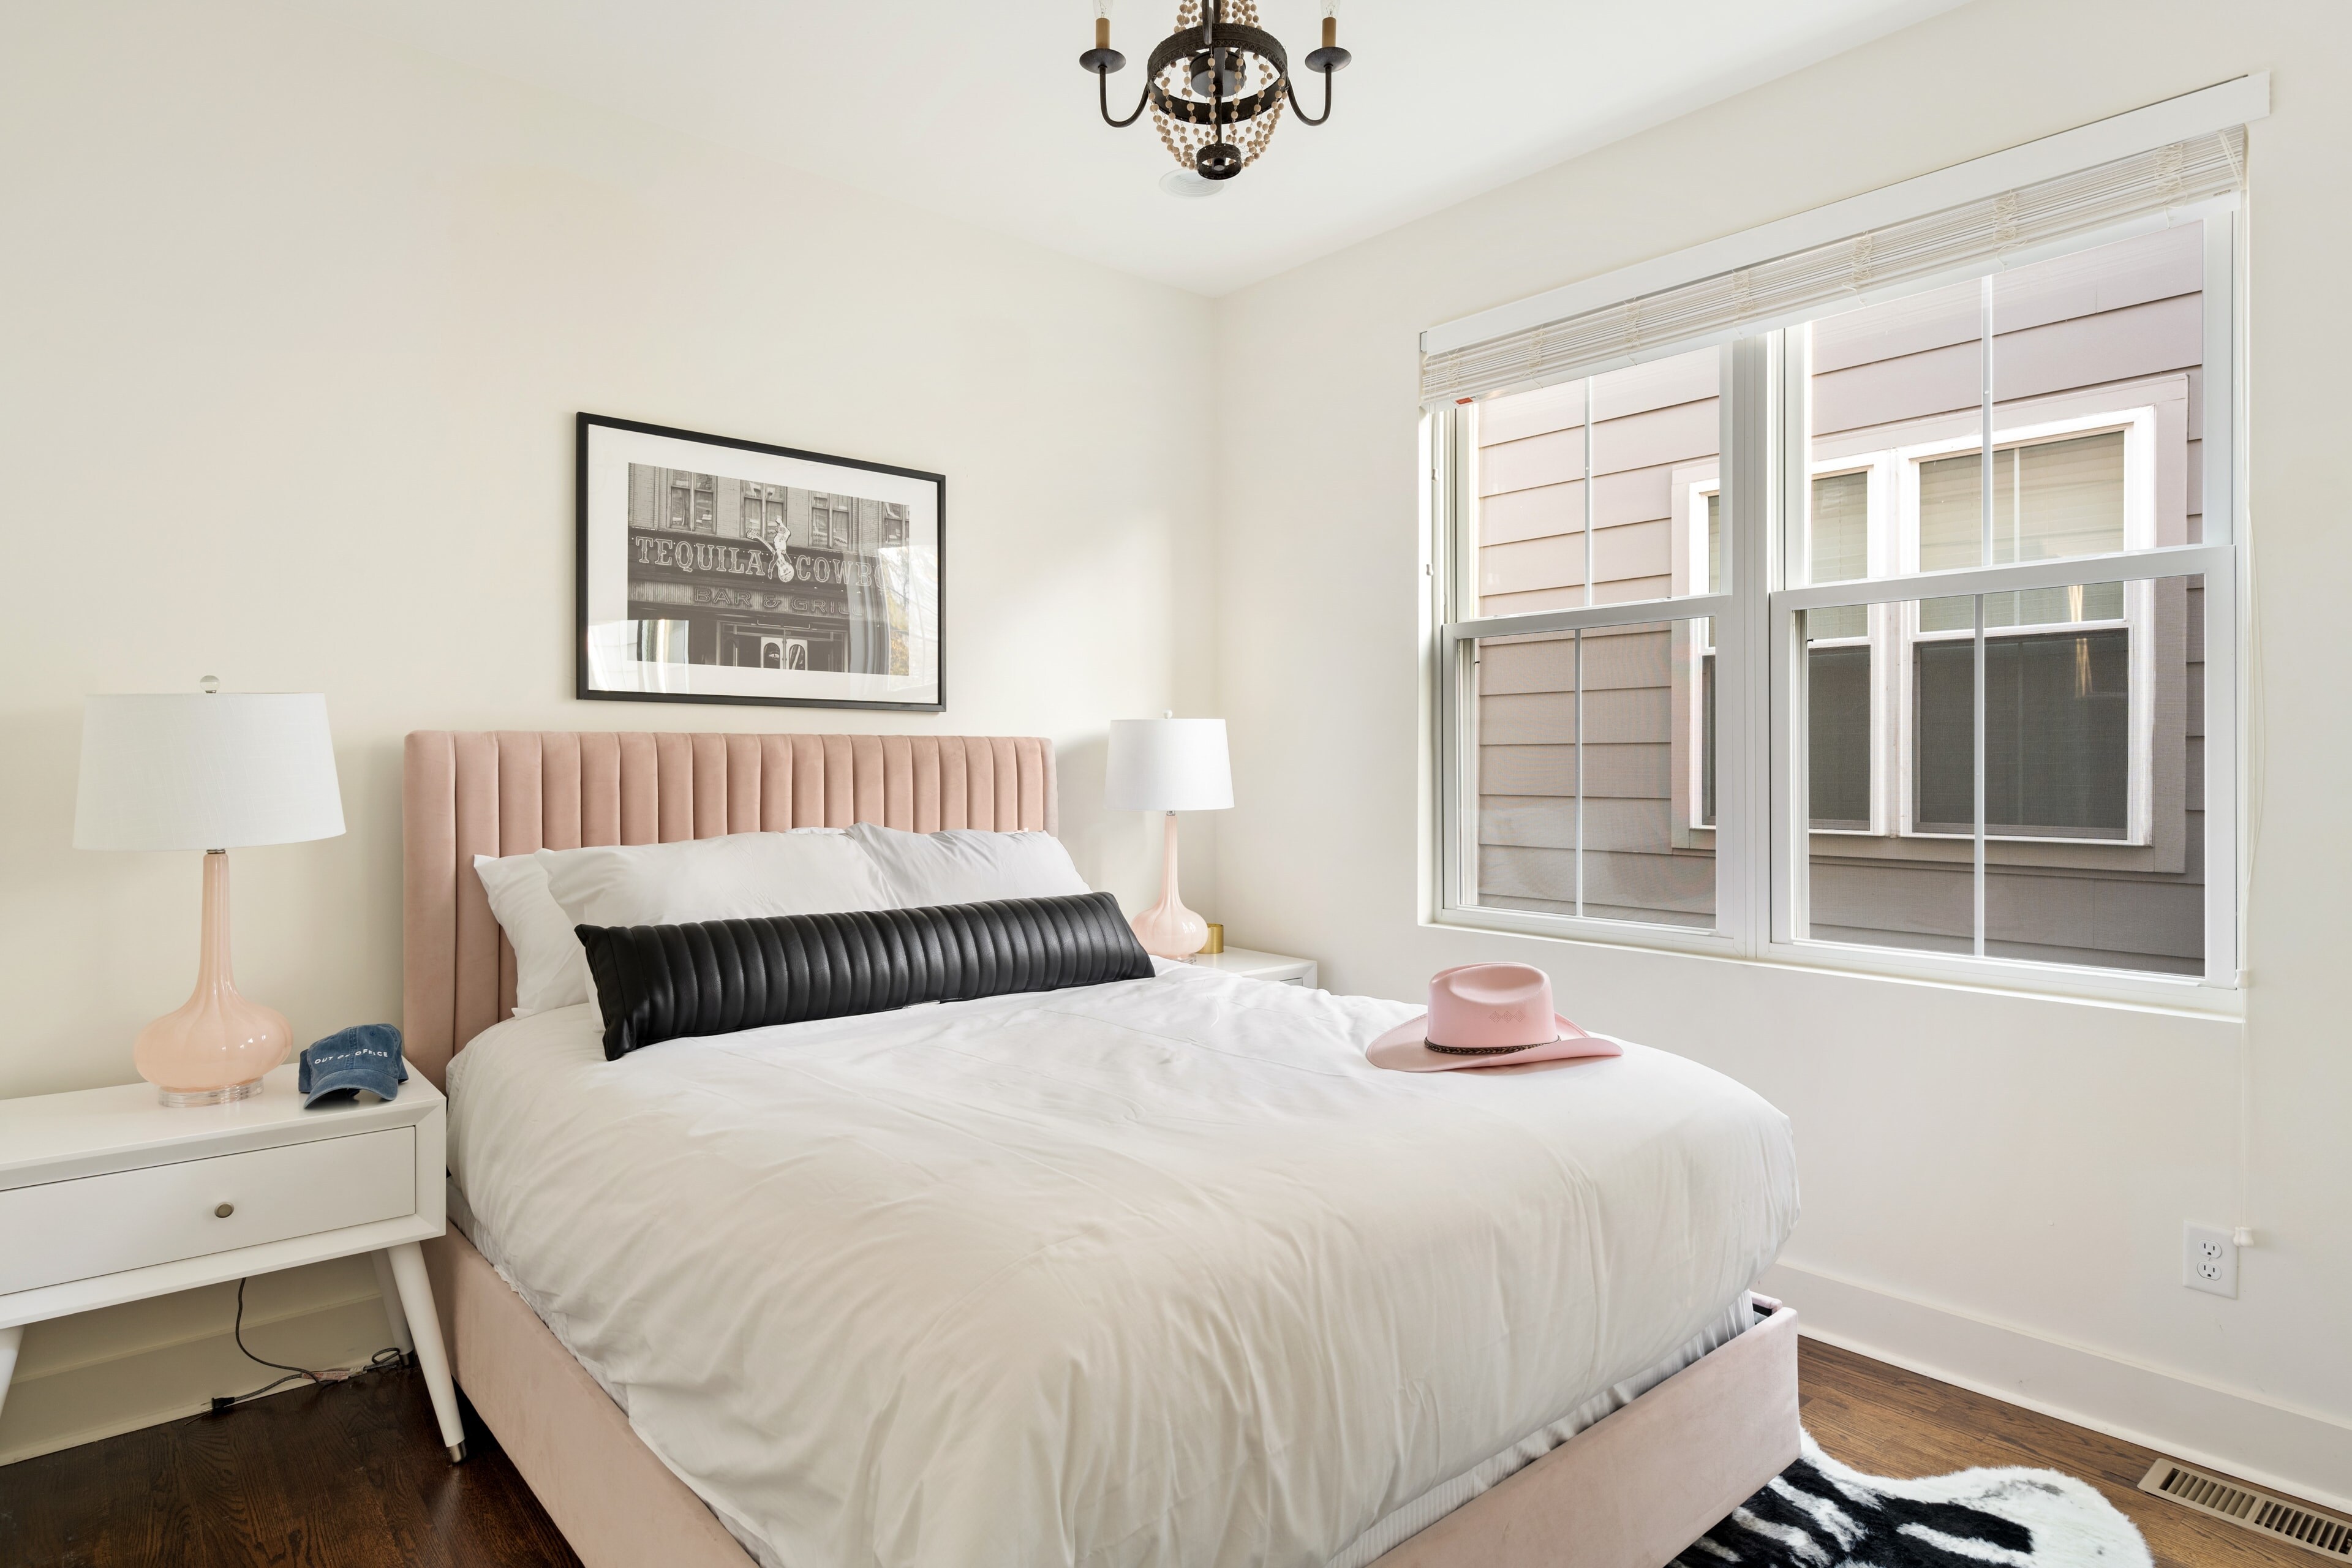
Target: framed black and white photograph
714,570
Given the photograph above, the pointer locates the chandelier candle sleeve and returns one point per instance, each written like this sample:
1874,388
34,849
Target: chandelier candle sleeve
1168,764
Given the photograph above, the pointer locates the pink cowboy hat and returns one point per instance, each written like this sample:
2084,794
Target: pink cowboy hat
1486,1016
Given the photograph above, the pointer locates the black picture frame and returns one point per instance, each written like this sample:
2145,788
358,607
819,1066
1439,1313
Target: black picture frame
743,600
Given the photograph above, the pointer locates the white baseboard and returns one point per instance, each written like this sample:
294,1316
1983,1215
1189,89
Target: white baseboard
90,1399
2302,1453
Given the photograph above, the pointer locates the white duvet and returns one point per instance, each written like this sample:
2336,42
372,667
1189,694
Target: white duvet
1159,1272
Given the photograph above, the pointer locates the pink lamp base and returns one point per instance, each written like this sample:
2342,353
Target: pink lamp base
216,1045
1168,930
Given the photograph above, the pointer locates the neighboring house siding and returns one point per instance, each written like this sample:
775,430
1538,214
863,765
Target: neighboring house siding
1648,423
2101,330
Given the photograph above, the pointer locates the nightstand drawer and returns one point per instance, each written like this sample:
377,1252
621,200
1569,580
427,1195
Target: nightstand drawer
160,1214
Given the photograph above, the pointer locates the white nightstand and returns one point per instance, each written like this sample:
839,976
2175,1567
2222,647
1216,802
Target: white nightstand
1259,965
107,1196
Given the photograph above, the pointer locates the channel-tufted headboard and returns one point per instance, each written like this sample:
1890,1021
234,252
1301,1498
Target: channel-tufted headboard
508,792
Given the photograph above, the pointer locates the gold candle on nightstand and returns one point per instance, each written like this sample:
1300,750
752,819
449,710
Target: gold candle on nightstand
1216,943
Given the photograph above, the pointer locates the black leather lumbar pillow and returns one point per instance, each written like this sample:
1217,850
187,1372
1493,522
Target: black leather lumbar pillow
665,983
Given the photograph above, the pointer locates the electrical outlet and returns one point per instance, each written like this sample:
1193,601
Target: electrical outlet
2209,1261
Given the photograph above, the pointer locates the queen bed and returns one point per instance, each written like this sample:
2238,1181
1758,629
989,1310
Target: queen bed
1156,1271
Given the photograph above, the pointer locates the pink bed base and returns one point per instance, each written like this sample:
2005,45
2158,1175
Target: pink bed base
1630,1491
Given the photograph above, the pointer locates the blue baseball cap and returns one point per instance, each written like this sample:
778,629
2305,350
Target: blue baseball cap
363,1057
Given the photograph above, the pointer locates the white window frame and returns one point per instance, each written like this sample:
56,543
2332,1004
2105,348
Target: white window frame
1879,524
1878,551
2138,427
1690,485
1892,634
1760,846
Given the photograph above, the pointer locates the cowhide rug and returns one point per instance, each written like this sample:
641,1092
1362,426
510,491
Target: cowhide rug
1819,1514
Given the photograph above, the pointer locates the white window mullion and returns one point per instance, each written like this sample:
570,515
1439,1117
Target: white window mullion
2224,762
2224,227
1630,613
2226,607
1788,914
1580,677
1747,671
1452,566
2120,566
1987,477
1977,830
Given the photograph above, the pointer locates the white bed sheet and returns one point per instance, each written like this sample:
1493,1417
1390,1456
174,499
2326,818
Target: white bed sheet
1160,1272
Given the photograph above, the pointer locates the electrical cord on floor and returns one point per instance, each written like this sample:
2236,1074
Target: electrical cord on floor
388,1359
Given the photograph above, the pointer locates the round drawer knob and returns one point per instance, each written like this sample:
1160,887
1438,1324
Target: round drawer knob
223,1211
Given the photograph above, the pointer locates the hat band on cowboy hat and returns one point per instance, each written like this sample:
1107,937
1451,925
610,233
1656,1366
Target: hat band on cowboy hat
1486,1014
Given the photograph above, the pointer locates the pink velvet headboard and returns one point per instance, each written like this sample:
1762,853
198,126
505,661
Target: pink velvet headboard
506,791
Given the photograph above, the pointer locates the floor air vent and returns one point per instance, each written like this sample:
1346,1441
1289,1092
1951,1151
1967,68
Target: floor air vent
2257,1511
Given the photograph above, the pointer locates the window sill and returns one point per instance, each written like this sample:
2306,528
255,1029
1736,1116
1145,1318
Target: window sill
2181,995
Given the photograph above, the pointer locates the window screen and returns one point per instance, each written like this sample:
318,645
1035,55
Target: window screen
2050,500
1840,538
2057,735
1837,719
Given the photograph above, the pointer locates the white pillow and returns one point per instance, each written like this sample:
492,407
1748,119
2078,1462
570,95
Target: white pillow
969,865
550,966
741,876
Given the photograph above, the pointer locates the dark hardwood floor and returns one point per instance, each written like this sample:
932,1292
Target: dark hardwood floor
348,1475
353,1476
1890,1422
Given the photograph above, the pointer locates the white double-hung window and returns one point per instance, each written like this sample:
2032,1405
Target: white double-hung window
1865,597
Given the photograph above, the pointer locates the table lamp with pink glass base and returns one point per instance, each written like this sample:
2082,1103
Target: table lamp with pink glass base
216,1045
208,771
1168,764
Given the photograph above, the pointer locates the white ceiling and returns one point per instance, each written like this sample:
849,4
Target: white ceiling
980,112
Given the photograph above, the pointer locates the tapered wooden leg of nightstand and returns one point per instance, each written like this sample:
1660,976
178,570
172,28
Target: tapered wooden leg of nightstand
424,1326
393,1315
9,1339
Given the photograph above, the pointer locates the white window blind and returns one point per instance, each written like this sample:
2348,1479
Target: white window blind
1973,235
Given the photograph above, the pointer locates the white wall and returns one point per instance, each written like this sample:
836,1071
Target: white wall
294,327
1994,1186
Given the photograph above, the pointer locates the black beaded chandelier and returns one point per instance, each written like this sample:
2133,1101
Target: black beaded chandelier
1216,85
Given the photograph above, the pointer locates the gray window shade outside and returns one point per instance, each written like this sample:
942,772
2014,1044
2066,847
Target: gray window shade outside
1837,719
1829,276
1840,528
2026,607
1840,550
2057,735
1707,742
2050,500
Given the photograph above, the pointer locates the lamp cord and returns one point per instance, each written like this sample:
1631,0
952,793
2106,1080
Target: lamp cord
388,1359
237,1331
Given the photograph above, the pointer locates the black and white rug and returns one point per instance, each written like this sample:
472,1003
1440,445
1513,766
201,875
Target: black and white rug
1819,1514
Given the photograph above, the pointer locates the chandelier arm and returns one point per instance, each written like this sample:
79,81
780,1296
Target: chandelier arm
1102,82
1300,110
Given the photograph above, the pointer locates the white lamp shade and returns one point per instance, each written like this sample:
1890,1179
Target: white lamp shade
1168,764
206,771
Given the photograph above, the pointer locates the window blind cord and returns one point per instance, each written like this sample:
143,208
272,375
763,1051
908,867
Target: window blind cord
2257,733
2254,729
